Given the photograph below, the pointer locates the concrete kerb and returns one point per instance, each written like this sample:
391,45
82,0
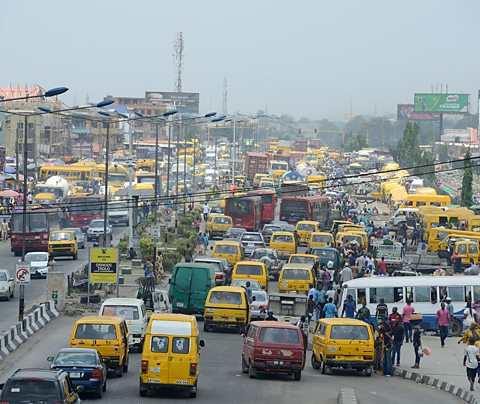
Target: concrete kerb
11,339
346,396
459,392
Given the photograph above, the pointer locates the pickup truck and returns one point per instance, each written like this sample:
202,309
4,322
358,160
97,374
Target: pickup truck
392,251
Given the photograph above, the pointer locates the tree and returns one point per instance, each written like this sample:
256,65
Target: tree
408,152
355,143
467,192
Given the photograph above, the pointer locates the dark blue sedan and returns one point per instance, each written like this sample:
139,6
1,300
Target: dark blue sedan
86,368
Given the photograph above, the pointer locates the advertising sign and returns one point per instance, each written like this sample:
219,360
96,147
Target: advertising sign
22,273
103,265
442,103
406,112
184,102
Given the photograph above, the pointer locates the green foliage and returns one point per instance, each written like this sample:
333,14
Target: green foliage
355,143
122,246
467,192
146,247
170,258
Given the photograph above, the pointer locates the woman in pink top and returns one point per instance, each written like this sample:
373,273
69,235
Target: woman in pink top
408,310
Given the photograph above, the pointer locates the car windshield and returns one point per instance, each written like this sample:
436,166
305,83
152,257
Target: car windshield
226,297
322,239
251,237
254,284
105,332
31,391
235,231
259,296
296,274
243,269
75,359
96,223
349,332
280,238
3,276
36,257
302,260
306,227
226,249
216,264
279,336
327,254
271,229
61,236
126,312
222,220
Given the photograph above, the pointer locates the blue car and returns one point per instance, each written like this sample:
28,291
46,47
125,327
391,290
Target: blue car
86,368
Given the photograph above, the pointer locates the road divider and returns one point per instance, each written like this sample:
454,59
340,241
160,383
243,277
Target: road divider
346,396
16,335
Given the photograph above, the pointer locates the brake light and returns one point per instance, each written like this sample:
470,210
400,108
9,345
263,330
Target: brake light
368,358
193,369
45,236
96,374
330,356
218,276
14,236
144,367
263,245
264,307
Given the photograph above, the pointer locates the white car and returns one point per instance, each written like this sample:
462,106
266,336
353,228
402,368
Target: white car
118,213
95,229
7,285
259,304
38,264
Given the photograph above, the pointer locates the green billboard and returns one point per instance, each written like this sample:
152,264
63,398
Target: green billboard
442,103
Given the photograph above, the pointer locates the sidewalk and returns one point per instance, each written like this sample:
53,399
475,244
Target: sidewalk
444,364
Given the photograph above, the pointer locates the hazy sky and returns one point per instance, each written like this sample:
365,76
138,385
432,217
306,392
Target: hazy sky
306,57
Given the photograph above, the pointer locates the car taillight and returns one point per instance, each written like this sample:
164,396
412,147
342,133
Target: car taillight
368,358
244,243
144,367
96,374
330,356
218,276
193,369
45,236
264,307
13,238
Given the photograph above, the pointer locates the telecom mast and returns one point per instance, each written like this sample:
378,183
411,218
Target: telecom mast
224,96
178,61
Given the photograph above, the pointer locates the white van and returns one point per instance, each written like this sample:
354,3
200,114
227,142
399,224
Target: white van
417,183
135,315
404,215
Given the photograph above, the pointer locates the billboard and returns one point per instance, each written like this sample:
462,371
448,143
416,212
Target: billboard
407,112
442,103
184,102
103,265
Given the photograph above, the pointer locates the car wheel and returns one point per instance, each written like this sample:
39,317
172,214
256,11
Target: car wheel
193,392
457,328
143,390
206,328
323,367
75,256
125,366
297,376
119,371
244,366
251,371
368,372
328,370
315,364
99,393
104,387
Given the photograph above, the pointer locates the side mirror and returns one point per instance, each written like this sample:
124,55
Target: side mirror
11,279
211,247
50,359
253,298
201,344
263,288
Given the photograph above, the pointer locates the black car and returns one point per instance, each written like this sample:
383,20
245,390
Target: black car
39,386
86,368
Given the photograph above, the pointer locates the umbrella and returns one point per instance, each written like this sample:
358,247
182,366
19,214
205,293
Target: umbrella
9,193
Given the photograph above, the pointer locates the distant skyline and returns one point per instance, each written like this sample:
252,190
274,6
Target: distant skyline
309,58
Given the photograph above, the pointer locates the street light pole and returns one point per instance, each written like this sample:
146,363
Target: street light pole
105,200
21,302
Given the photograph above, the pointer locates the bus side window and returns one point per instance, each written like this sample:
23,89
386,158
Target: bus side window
456,293
361,296
476,292
422,294
397,295
409,293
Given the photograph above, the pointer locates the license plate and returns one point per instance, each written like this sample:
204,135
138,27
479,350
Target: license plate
75,375
278,362
219,318
182,382
155,370
180,304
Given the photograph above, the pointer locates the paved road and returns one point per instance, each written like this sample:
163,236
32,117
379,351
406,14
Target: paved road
221,379
36,290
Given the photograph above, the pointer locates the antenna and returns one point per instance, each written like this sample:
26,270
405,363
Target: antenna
178,62
224,96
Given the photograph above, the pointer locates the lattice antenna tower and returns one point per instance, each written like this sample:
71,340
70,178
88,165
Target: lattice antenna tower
225,97
178,62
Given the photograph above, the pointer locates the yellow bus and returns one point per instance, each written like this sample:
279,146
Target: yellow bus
417,200
146,165
70,173
117,174
452,217
438,234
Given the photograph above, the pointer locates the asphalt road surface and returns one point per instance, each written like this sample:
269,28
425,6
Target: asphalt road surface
36,290
221,379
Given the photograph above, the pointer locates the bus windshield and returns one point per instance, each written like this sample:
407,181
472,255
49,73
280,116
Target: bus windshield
85,206
36,222
239,207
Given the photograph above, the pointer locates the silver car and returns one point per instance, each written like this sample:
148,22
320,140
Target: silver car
250,241
38,264
7,285
259,304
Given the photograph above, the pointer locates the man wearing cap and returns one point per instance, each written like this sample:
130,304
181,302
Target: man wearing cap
346,274
449,304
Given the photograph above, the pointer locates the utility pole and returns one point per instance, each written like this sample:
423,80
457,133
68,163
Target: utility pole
225,97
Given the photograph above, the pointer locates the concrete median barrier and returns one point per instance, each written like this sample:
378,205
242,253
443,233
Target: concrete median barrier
347,396
16,335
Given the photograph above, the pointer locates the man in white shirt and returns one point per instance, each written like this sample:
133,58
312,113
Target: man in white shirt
346,274
206,211
470,361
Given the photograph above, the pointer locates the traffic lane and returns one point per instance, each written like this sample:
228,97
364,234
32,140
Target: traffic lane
36,290
221,379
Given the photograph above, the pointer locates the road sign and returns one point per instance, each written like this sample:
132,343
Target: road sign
155,231
103,265
168,212
22,273
422,249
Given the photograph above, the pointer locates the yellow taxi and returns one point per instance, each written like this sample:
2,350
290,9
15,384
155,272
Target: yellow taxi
226,307
304,229
257,178
320,239
217,224
63,243
232,251
284,242
171,353
251,270
44,198
308,259
296,278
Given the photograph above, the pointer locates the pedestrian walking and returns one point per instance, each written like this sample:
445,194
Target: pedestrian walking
329,309
469,316
346,274
394,317
443,321
470,361
398,333
382,311
417,346
188,254
310,308
205,211
387,351
205,242
349,307
450,309
200,244
248,288
4,229
408,310
363,313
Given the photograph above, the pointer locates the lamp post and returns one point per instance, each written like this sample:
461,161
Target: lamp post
49,93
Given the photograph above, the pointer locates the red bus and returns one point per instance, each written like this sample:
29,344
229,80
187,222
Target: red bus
82,209
294,209
269,197
245,211
40,221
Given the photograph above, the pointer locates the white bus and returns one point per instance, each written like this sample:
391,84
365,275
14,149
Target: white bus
425,292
